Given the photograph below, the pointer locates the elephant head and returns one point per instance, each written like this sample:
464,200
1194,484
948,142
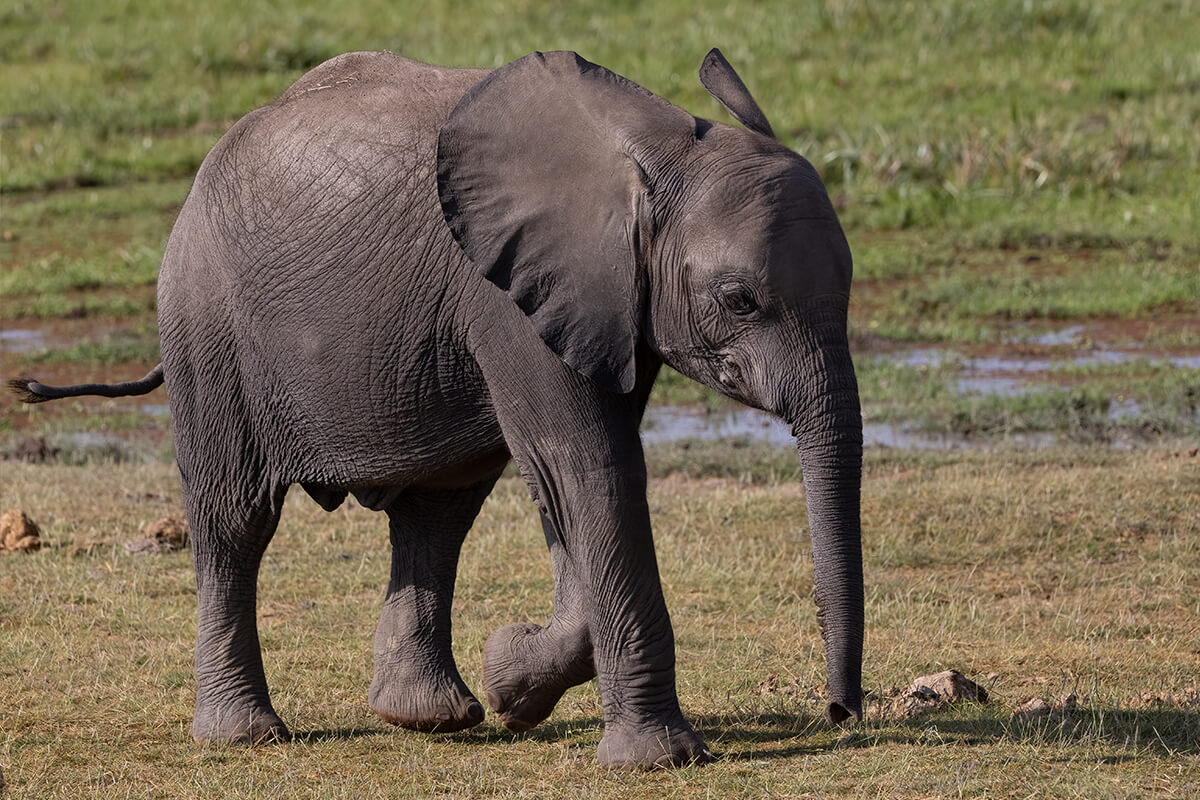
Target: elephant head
614,220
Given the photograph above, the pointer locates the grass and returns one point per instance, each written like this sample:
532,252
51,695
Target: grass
999,565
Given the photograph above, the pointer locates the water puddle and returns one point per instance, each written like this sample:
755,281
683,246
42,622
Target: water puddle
19,340
935,358
667,424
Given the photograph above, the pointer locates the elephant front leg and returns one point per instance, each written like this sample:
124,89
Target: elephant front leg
527,667
602,512
417,684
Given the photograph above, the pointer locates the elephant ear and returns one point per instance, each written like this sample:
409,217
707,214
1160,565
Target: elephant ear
543,176
723,83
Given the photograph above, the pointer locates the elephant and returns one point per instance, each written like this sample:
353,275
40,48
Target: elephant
398,277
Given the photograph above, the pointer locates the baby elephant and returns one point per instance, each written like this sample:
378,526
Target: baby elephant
397,276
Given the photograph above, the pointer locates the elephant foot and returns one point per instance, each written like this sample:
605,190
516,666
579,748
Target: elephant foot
238,724
423,702
525,674
675,745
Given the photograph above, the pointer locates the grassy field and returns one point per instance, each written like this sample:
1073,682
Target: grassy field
1017,182
1003,566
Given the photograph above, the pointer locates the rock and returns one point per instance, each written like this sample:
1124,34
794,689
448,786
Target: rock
18,533
161,536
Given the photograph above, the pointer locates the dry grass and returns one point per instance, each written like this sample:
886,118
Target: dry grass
1036,574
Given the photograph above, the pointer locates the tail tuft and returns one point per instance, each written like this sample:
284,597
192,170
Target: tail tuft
24,389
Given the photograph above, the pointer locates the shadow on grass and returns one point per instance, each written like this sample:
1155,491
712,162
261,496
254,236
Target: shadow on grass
737,737
1141,733
335,734
1160,731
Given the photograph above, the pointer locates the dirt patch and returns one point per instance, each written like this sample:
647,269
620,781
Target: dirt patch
927,694
1037,708
1188,698
165,535
18,533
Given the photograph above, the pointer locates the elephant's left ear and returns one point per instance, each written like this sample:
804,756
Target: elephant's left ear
543,178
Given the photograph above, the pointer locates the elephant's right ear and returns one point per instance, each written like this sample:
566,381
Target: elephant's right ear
722,81
543,178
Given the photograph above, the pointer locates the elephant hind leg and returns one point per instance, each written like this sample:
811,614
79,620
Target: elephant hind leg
417,684
229,533
526,667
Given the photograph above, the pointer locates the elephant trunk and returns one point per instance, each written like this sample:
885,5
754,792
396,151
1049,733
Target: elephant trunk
828,431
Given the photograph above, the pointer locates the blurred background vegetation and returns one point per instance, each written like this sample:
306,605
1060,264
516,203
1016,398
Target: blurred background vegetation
1006,171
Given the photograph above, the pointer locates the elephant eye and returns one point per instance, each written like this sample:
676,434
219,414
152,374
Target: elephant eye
738,300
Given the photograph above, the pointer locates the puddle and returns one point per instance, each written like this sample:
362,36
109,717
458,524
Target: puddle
1124,410
1004,387
666,424
19,340
87,445
935,358
673,423
154,409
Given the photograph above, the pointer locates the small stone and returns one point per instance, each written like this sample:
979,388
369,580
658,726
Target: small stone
161,536
18,533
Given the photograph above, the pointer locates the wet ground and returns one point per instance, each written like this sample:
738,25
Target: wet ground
1053,359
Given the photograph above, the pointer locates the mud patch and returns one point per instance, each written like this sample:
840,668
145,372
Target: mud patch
18,533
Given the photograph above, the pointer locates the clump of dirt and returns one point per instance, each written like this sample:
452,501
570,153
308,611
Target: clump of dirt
1037,708
1185,698
164,535
18,533
927,694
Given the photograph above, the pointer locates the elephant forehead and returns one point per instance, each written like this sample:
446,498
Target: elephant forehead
793,260
809,257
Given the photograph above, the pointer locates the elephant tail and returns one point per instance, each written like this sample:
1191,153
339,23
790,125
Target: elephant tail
30,391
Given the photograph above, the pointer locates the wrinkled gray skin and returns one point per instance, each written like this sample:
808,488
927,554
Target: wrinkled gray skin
398,276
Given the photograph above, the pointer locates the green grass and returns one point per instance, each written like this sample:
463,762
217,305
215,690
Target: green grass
999,565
